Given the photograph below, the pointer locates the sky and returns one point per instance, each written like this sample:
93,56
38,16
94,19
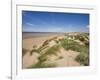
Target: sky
35,21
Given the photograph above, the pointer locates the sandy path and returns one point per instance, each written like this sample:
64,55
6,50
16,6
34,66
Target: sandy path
68,58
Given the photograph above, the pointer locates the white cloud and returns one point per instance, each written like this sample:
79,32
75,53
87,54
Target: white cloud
30,24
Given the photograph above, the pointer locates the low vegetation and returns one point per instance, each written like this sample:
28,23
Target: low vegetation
38,50
51,51
68,43
42,65
83,59
24,51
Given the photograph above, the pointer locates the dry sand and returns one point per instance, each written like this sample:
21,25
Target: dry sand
28,59
67,60
30,42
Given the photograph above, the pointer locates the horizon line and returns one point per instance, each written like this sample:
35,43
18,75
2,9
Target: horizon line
53,32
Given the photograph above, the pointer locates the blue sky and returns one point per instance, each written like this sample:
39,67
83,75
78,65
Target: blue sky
33,21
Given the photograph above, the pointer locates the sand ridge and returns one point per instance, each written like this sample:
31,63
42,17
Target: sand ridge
67,56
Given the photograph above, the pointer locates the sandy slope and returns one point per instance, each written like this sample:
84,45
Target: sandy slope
28,59
67,56
30,42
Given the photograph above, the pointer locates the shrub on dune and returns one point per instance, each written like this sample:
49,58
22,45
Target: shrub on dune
53,50
43,65
24,51
83,59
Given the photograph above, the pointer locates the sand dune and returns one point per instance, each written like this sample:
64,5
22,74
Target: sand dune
64,58
30,42
67,58
29,59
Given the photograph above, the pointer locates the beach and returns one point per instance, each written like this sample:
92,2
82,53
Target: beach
54,50
28,43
